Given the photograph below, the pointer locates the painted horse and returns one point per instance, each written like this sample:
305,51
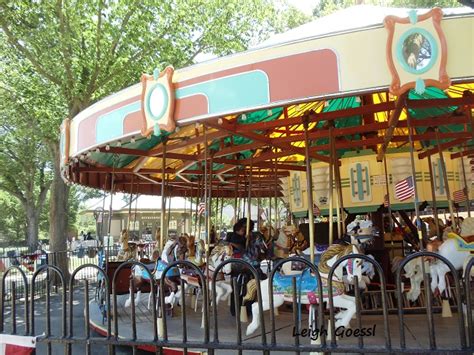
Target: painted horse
307,286
220,253
455,249
173,250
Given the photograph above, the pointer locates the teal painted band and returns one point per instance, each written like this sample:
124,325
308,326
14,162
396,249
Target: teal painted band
110,125
162,89
235,92
433,45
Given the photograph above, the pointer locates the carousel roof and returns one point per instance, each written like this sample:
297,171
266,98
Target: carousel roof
355,17
251,136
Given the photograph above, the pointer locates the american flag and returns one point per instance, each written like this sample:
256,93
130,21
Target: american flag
316,210
385,201
201,208
405,189
460,196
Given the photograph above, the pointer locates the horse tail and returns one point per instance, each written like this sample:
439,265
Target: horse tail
251,291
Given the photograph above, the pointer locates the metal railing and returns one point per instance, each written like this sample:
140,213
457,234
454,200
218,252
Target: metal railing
23,315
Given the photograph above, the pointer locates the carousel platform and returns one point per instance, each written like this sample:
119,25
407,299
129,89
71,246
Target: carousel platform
416,330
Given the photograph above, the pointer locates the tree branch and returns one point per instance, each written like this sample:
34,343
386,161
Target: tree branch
30,56
67,55
13,190
95,73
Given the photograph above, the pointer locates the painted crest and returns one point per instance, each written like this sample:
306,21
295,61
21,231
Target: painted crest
360,182
158,102
296,190
416,52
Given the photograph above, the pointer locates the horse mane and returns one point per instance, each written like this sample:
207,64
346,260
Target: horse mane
221,248
182,247
191,246
336,249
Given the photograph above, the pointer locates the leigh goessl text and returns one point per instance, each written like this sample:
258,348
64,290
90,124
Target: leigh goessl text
342,332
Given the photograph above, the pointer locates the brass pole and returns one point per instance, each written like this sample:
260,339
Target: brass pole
163,206
445,177
258,202
389,205
277,215
433,197
206,200
130,205
330,191
199,219
209,202
222,208
309,188
184,229
466,189
339,195
417,211
249,201
196,211
335,165
236,199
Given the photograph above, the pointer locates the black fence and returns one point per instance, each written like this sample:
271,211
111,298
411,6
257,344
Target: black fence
89,313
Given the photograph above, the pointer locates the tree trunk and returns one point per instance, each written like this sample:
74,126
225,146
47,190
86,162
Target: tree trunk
58,217
32,227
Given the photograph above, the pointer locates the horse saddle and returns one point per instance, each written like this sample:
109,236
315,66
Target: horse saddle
463,243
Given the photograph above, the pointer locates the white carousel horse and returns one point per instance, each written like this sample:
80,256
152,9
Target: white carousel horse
455,250
281,243
219,254
308,288
172,251
362,234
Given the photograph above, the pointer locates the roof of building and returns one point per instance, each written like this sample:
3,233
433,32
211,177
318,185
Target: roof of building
144,202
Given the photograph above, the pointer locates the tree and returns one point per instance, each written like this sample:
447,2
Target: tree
24,164
326,7
88,49
12,220
420,4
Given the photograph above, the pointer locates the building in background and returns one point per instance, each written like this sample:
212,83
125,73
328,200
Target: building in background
142,218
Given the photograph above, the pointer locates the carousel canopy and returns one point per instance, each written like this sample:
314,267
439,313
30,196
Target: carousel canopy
241,118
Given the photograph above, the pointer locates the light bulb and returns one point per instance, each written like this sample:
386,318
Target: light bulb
107,147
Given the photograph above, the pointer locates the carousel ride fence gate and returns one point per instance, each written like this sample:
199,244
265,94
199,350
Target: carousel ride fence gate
21,314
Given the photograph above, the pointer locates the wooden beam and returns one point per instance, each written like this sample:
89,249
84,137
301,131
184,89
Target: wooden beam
443,146
238,148
462,153
459,101
106,169
316,117
263,139
186,143
125,151
392,124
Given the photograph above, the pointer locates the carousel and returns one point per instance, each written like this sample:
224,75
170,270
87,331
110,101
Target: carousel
364,134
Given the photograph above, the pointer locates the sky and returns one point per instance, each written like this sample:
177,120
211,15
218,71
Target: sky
305,6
